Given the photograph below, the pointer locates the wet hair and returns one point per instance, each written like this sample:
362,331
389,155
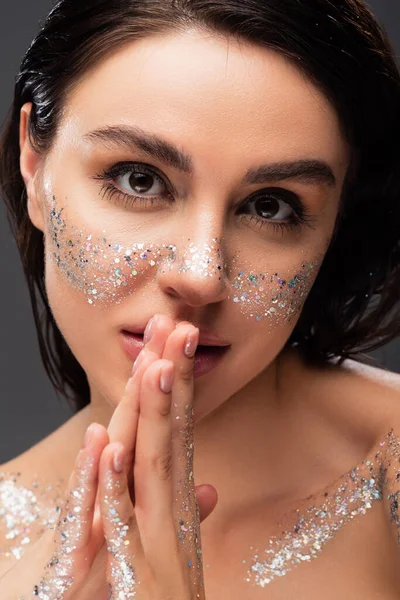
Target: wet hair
353,306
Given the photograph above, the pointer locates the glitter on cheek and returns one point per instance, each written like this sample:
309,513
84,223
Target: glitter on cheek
106,271
270,296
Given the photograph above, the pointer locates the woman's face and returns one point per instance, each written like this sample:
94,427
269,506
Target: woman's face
194,176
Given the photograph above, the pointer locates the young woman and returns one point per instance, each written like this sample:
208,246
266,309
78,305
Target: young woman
205,196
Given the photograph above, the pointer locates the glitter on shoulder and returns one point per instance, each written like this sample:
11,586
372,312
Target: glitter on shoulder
376,478
25,513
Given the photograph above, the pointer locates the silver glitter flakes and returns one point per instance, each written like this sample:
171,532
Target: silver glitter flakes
264,295
376,479
313,528
25,513
121,574
185,502
59,572
105,271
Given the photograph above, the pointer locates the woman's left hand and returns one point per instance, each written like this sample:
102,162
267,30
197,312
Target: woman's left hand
150,508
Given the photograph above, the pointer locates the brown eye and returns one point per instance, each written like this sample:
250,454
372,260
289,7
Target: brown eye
140,182
269,207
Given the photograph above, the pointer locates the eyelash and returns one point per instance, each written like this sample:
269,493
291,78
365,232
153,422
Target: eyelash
300,217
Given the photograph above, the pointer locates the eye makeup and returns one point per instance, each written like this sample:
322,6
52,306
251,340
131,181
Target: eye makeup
106,271
299,213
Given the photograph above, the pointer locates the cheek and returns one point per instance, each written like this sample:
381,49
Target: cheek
274,296
88,331
105,271
88,261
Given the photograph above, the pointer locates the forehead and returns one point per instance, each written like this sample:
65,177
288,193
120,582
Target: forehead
209,95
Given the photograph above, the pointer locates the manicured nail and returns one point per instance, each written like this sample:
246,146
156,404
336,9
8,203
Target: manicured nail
167,379
149,331
191,343
88,436
118,459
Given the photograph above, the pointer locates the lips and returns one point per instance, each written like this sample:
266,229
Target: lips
207,355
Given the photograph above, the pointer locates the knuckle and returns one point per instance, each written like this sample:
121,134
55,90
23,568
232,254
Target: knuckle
186,373
164,406
165,466
160,464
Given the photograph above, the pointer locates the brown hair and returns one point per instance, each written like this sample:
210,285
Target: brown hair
353,306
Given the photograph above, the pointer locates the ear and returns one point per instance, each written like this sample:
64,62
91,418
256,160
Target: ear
30,161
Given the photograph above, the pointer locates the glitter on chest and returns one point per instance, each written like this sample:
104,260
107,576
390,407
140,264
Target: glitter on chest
25,513
312,528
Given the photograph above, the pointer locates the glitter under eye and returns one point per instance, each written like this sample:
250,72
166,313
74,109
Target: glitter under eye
106,271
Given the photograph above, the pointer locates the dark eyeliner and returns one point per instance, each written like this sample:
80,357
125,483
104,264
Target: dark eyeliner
300,217
123,198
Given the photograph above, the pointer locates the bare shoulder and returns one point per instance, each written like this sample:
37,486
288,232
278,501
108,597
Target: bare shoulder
361,403
376,393
368,374
361,400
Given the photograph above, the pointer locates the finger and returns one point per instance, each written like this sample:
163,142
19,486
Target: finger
207,498
156,334
76,525
74,552
119,522
123,423
153,462
180,348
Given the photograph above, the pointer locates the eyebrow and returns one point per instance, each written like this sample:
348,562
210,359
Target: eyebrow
311,171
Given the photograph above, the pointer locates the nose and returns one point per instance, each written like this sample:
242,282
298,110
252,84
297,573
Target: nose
195,273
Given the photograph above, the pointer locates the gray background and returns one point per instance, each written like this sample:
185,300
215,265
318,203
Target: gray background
30,410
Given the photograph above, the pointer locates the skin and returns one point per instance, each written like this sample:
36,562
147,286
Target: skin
262,414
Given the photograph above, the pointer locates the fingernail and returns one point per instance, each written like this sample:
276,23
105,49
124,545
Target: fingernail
138,362
88,436
191,344
149,331
167,379
118,460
